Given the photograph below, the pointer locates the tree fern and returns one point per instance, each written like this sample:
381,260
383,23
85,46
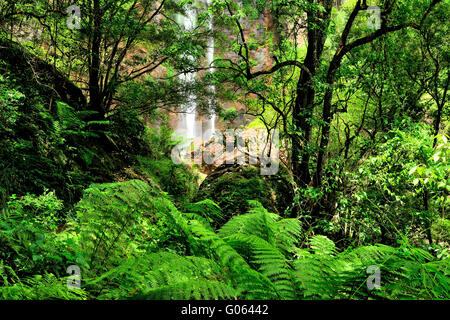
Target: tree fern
249,283
206,210
164,275
284,233
405,273
258,221
116,214
110,216
192,289
321,245
266,259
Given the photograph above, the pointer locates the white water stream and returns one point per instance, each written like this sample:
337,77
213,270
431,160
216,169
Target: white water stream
209,61
188,119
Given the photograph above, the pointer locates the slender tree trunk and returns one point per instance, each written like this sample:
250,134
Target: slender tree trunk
326,117
305,94
95,99
440,106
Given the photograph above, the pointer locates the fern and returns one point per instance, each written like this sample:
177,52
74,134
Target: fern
267,260
267,243
114,215
205,210
198,289
405,273
249,283
253,256
164,275
288,233
110,216
284,233
47,287
322,246
72,123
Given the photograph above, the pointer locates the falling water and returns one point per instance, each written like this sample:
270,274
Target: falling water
188,118
209,61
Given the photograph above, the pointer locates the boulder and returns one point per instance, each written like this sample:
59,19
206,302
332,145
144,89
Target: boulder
231,186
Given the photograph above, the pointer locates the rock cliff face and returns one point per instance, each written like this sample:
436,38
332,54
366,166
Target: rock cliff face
254,28
202,120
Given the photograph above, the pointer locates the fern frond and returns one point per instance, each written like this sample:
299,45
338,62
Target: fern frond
207,209
192,289
163,274
249,283
266,259
321,245
404,273
288,233
258,222
116,214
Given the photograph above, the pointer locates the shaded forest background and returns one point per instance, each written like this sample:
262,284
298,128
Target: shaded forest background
364,143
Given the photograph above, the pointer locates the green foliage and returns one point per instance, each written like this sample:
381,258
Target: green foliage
267,243
161,142
127,130
281,233
205,210
177,180
134,244
115,220
322,246
433,175
399,190
364,137
10,99
229,115
406,273
47,287
28,241
44,140
441,230
164,275
45,209
248,283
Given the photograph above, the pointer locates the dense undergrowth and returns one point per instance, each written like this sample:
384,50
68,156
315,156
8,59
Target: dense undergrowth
131,242
147,238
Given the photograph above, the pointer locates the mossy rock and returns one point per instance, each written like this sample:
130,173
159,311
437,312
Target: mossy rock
440,230
231,186
178,180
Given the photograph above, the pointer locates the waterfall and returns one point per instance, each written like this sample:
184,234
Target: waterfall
187,119
187,122
209,61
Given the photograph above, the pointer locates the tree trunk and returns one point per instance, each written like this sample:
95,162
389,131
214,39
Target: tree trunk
95,99
305,94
